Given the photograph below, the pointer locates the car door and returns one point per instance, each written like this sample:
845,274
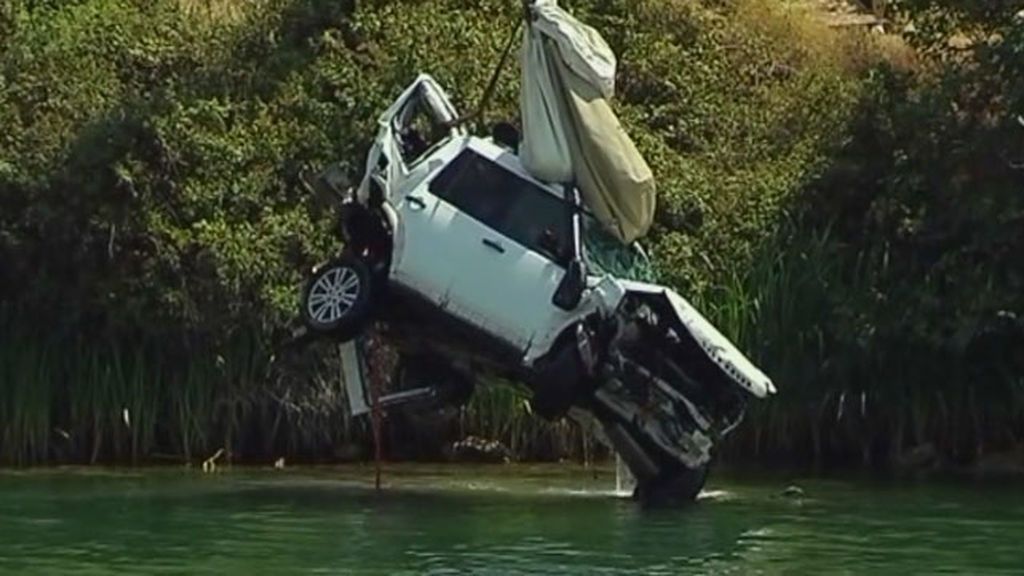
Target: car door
516,239
416,138
427,255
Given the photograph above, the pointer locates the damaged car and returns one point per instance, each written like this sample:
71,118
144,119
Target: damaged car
477,270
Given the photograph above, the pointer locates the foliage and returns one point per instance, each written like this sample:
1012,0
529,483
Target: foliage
913,238
151,154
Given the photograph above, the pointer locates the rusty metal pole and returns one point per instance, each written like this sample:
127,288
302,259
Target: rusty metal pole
375,412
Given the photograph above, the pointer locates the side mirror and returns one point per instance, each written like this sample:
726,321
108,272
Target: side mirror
570,290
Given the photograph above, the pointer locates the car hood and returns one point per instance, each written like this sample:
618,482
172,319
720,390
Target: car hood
718,348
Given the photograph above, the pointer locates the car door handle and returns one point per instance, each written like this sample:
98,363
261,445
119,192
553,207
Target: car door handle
494,245
415,202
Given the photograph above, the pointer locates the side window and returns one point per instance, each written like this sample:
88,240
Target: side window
418,130
510,205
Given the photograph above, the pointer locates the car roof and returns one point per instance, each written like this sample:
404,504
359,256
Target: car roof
506,159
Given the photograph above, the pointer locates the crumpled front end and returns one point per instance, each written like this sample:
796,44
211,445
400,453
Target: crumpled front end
684,323
672,384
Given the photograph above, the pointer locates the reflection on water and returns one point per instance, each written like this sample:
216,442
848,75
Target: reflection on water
499,520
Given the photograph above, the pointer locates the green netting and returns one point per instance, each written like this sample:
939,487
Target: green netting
605,254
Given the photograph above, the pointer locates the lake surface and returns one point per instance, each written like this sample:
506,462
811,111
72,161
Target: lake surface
493,520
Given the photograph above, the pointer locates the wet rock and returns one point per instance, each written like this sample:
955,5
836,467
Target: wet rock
479,450
349,452
793,491
922,457
998,464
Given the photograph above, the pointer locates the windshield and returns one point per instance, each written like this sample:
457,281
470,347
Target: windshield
605,254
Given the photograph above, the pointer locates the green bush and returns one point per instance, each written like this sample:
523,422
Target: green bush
912,331
151,153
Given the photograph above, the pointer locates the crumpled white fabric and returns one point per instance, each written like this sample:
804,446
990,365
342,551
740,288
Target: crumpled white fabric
544,151
545,148
570,131
582,48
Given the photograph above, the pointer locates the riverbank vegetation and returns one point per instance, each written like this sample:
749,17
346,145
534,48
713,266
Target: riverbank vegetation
847,205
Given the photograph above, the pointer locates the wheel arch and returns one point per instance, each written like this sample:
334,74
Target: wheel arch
370,232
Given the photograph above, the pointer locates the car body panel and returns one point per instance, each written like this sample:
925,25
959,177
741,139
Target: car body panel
718,348
440,252
602,296
508,288
425,255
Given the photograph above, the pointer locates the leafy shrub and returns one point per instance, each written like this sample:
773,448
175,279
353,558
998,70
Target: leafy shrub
151,153
918,220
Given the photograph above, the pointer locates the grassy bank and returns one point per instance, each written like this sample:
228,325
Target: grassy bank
843,205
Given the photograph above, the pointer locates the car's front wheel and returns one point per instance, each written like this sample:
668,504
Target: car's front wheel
337,299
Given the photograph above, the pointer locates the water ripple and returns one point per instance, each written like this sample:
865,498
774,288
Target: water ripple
492,521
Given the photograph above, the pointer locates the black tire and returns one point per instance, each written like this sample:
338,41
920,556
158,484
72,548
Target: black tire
662,480
338,298
557,379
673,487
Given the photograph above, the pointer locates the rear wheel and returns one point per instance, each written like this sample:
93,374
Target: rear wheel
337,299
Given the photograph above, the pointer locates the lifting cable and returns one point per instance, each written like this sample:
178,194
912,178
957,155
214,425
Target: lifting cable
493,83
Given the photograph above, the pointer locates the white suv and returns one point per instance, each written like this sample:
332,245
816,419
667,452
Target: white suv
478,270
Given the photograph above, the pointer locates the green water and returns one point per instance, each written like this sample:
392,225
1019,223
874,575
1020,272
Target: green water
500,520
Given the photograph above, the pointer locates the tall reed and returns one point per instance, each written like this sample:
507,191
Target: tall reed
501,411
830,323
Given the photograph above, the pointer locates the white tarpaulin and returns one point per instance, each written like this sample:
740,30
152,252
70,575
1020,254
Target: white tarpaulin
570,133
580,46
545,148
